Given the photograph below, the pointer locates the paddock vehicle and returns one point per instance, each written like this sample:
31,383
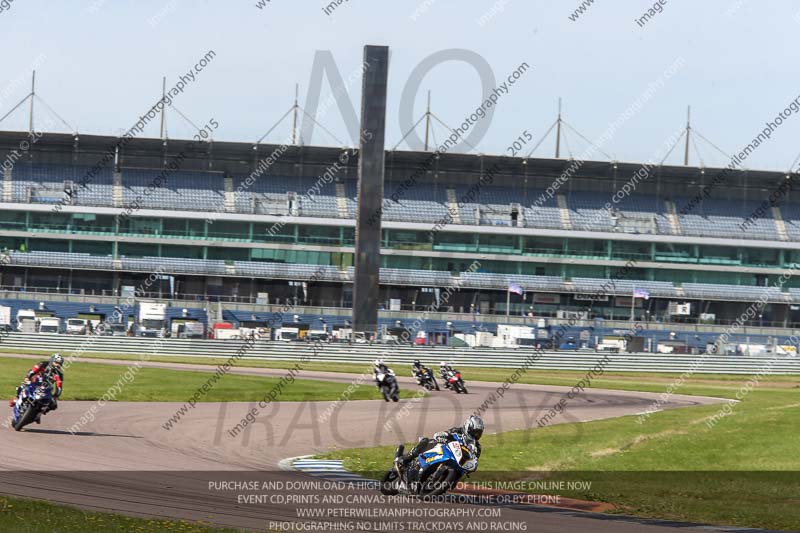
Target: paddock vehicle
454,382
387,383
436,470
5,318
51,325
33,399
426,379
77,326
152,319
26,320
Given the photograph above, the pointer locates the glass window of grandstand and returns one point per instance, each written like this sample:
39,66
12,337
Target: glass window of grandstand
183,252
322,235
274,232
498,243
229,254
533,269
48,245
630,250
305,257
135,249
761,256
542,246
13,220
348,236
141,226
792,257
229,230
722,255
184,227
91,223
585,271
50,221
676,253
401,261
454,241
101,248
407,240
13,243
590,248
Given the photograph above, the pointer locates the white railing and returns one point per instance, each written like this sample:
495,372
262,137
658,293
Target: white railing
401,356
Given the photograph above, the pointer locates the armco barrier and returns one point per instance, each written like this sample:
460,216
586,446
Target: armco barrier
402,355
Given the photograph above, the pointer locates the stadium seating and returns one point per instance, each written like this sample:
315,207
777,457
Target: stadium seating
176,190
424,202
395,276
48,183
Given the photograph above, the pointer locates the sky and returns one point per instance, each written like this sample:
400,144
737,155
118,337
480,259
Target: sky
99,66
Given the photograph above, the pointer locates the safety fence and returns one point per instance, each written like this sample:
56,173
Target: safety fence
402,355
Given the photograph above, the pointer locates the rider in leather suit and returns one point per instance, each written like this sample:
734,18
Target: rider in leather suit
53,366
473,428
419,370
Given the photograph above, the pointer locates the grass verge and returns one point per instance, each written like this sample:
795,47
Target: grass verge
698,384
27,516
680,464
90,381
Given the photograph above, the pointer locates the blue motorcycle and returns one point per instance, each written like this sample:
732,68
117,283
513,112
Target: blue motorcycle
33,399
436,470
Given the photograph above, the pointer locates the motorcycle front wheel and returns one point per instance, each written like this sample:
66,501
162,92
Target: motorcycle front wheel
388,483
26,418
439,481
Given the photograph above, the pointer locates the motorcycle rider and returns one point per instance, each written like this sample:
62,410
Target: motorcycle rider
53,366
380,368
472,428
444,369
419,370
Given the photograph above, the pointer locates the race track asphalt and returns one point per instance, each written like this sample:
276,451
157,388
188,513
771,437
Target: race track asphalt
127,461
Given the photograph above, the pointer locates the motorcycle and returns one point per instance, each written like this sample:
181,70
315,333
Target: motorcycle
387,383
455,382
33,399
436,470
426,379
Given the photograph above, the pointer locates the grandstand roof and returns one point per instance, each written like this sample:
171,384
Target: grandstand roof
241,157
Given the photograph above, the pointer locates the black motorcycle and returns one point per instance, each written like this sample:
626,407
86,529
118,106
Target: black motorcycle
425,379
387,383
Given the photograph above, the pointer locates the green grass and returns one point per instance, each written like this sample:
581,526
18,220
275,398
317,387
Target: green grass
27,516
699,384
743,471
90,381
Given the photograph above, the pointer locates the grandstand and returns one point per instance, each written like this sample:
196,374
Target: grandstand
218,239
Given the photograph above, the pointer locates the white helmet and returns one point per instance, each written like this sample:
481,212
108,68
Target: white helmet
378,362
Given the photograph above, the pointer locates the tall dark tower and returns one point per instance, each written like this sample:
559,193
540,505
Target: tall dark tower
370,189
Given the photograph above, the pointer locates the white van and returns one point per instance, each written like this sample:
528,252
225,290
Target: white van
76,326
50,325
26,320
